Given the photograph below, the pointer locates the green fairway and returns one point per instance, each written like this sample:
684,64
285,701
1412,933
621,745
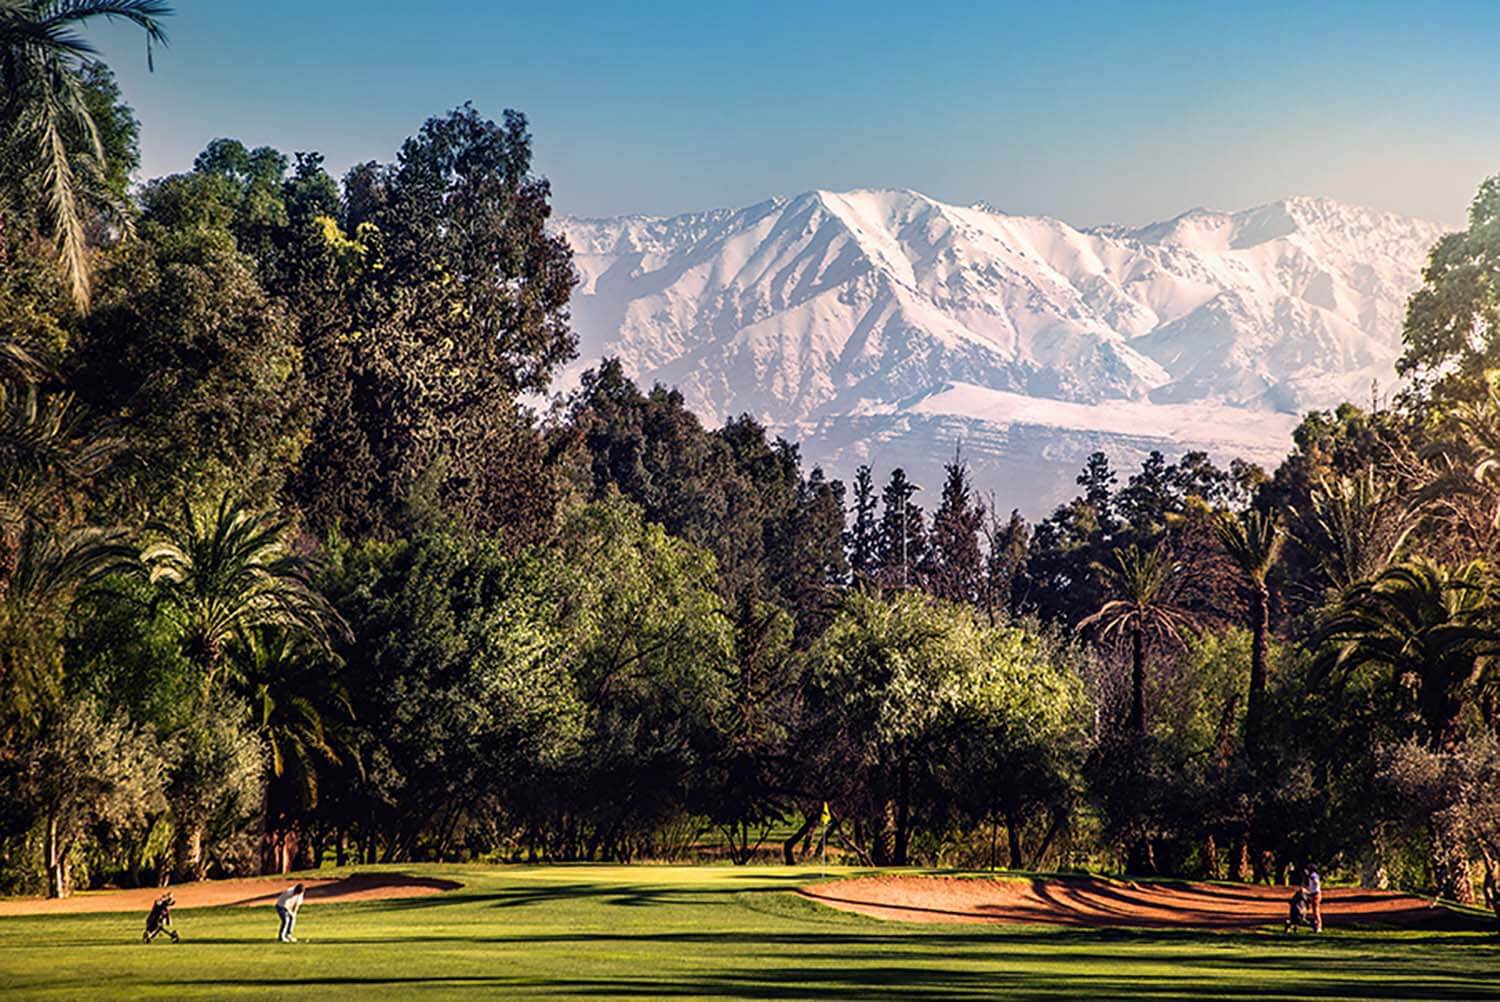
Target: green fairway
698,932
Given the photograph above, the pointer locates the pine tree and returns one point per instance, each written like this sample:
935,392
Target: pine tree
956,560
903,533
1098,481
1004,560
864,534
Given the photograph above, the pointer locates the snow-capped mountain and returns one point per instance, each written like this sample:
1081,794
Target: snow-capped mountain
887,327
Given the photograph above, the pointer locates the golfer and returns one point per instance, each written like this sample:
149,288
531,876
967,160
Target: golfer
287,905
1314,888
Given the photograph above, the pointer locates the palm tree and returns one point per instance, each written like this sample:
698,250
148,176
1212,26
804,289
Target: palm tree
231,573
1355,528
1253,542
49,452
1141,610
1431,631
45,117
49,569
297,707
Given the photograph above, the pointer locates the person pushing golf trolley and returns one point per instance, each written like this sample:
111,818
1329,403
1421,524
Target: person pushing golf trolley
288,903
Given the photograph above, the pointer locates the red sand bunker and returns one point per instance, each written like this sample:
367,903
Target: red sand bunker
1093,901
252,891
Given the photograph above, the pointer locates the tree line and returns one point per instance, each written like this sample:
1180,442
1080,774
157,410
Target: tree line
291,570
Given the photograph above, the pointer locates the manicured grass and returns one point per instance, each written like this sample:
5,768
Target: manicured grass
641,932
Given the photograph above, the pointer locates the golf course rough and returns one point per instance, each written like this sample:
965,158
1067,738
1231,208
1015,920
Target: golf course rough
645,932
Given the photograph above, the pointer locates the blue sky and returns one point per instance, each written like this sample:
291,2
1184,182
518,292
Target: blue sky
1090,111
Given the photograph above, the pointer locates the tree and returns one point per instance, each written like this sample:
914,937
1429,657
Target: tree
300,709
1355,528
228,571
650,653
903,533
1429,630
51,152
1140,611
196,366
462,690
863,533
85,770
214,788
1452,320
955,560
1253,540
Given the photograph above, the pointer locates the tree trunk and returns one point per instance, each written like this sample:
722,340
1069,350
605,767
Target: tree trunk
59,880
1138,682
1013,841
789,847
1450,860
1211,869
1256,707
1239,859
190,864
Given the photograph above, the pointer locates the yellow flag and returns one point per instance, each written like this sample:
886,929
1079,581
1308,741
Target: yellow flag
827,818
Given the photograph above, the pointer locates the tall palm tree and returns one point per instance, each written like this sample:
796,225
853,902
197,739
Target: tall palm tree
1432,629
229,573
50,153
1141,610
48,570
299,708
1355,528
1253,542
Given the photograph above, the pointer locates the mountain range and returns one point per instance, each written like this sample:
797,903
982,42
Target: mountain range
889,328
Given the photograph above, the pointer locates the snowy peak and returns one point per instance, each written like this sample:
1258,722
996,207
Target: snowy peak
830,305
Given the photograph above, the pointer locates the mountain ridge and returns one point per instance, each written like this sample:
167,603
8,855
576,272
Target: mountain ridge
822,311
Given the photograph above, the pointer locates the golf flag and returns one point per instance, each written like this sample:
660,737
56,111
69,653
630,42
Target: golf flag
827,817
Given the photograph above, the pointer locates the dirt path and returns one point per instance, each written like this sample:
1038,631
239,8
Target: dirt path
1091,901
250,891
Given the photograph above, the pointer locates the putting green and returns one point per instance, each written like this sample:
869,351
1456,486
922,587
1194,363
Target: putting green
638,932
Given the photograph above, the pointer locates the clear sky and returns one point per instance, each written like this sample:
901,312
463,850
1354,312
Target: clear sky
1094,112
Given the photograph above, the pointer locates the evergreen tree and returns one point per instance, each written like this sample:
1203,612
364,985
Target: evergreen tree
903,533
956,560
864,534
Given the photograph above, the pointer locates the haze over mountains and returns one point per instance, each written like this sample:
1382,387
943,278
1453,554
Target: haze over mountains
887,327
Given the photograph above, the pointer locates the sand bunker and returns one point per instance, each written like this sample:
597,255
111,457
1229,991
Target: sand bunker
251,891
1092,901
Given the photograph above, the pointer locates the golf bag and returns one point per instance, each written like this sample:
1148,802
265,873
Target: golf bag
159,920
1299,911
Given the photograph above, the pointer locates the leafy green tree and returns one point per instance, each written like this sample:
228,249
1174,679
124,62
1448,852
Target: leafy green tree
196,365
83,771
651,654
880,681
1451,321
459,681
216,766
51,150
1018,737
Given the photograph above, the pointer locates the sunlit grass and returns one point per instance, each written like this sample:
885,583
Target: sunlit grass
699,932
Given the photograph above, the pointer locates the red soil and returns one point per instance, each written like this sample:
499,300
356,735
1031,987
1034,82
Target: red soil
250,891
1093,901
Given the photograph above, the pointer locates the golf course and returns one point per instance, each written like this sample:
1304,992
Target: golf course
587,931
